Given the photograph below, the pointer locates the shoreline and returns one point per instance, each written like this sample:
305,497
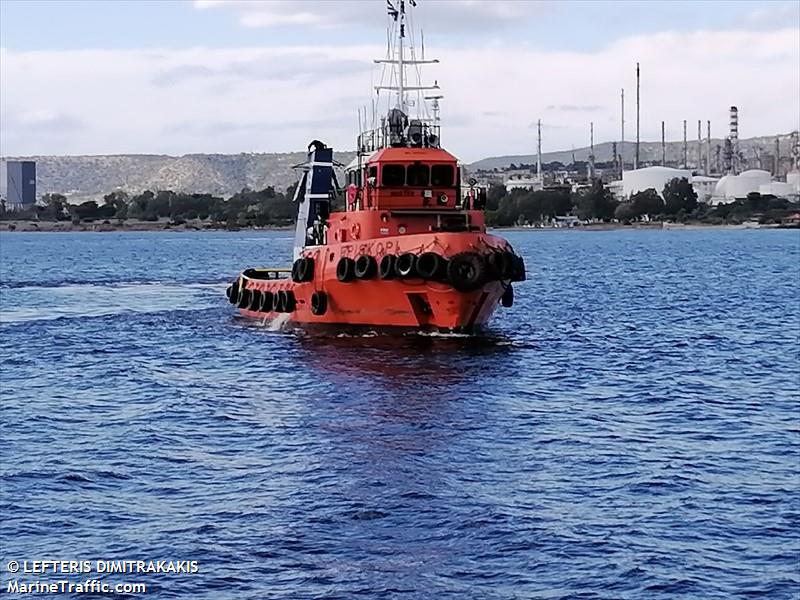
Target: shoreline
143,226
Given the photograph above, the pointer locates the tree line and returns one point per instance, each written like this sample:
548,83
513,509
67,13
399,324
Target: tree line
677,202
251,208
246,208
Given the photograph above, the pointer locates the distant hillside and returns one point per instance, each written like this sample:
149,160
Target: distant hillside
648,152
91,177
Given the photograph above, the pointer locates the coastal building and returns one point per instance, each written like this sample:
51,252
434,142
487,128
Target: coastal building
20,184
656,178
524,183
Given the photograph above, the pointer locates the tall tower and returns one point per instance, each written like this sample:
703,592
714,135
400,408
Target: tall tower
636,157
685,147
734,124
663,146
622,133
591,151
777,157
708,149
539,150
699,146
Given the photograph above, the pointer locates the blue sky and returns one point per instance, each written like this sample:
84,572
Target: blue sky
581,26
247,75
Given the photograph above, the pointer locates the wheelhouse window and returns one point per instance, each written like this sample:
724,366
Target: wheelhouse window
418,175
442,175
393,175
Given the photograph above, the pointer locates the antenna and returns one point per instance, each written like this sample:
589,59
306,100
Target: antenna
539,151
622,134
777,155
699,146
685,147
636,158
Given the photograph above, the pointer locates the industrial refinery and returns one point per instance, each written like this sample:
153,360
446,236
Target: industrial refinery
721,170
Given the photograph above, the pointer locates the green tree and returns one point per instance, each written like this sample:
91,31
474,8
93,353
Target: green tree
118,200
494,195
679,195
647,202
595,203
54,209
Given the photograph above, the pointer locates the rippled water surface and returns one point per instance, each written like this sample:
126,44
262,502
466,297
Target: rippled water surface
629,429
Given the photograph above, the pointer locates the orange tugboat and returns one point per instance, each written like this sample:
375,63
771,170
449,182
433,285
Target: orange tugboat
409,250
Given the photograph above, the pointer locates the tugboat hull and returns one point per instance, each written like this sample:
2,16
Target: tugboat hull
428,298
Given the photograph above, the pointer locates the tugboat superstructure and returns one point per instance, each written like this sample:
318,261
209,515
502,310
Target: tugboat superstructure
409,249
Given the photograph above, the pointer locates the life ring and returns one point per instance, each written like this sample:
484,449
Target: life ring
355,231
406,265
319,303
431,265
366,267
467,271
386,268
345,269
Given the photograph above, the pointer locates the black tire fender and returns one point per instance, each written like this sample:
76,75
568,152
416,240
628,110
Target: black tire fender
305,269
267,298
507,300
319,303
366,267
255,301
467,271
243,300
431,265
406,265
386,270
345,269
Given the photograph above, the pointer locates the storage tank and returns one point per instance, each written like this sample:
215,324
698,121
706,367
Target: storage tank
793,179
656,178
780,189
738,186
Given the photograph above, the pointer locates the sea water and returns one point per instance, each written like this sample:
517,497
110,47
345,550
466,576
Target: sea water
629,429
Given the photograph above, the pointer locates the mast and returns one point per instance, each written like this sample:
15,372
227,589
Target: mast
622,134
401,95
539,151
399,59
636,157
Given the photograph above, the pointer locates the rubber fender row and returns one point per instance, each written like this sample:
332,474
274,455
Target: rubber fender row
466,271
303,270
258,301
282,301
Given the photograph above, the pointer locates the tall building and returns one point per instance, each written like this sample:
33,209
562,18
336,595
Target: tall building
20,184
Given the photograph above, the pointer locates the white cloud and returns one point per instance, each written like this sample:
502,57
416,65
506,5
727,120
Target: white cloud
442,15
277,99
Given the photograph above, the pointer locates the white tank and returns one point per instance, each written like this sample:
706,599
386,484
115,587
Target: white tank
738,186
793,179
650,177
778,188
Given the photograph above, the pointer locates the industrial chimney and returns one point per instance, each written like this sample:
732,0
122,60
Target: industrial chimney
734,135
